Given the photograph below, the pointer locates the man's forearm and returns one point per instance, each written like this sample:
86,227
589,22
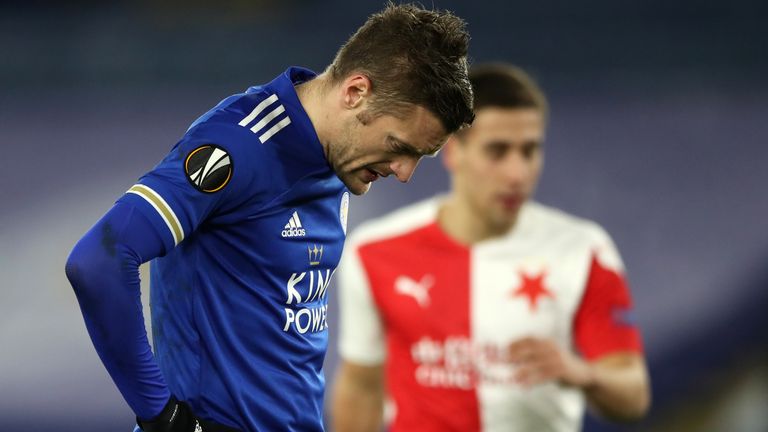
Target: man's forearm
361,413
618,388
357,403
104,275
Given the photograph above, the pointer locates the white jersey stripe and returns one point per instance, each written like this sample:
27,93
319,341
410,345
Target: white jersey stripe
274,129
268,118
259,108
163,209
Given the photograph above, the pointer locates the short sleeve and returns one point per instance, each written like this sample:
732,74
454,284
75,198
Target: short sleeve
361,338
605,322
205,171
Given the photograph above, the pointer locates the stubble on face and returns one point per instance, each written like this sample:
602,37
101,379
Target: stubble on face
369,143
343,153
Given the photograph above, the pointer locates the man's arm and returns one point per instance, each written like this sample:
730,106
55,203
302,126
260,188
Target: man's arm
616,385
614,374
619,387
358,398
358,393
103,269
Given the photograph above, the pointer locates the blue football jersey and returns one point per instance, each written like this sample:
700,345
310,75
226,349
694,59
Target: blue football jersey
254,220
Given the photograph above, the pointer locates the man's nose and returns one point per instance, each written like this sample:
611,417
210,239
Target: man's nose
404,167
516,168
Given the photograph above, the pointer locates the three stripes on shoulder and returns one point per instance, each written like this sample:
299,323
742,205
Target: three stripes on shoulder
259,126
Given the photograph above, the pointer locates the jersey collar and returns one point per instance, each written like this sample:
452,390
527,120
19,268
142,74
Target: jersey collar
284,85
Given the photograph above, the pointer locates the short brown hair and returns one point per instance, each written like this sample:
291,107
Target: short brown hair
506,86
412,56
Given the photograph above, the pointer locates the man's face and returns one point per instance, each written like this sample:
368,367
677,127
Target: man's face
369,147
496,163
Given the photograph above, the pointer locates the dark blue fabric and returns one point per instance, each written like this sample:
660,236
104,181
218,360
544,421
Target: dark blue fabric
104,271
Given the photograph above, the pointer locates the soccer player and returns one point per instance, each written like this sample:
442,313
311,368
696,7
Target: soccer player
245,220
482,310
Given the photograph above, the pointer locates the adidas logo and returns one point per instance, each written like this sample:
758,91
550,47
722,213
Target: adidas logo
293,227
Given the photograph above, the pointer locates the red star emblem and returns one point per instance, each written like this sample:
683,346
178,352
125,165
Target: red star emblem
533,288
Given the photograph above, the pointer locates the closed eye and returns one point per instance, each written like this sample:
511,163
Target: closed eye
401,148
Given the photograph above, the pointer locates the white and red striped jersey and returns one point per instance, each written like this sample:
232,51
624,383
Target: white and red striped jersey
439,315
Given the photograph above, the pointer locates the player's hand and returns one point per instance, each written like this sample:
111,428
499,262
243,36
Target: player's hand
176,417
540,360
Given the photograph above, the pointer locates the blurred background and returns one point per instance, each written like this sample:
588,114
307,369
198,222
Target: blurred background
659,131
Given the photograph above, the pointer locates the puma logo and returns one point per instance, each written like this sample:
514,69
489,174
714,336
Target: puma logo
418,290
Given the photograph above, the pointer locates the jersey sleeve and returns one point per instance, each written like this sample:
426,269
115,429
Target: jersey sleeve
104,271
604,322
361,338
207,172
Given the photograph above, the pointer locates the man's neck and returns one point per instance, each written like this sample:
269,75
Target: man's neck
312,97
466,225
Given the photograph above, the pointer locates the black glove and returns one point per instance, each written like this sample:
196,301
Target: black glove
175,417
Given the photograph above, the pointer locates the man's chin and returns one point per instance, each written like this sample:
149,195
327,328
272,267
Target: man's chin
363,189
356,186
505,217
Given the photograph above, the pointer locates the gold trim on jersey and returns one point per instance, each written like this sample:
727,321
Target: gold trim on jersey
163,209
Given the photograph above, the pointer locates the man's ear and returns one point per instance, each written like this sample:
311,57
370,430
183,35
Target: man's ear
355,89
450,152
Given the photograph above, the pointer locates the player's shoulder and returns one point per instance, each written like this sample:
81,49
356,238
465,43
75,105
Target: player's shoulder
397,223
544,220
243,119
562,231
